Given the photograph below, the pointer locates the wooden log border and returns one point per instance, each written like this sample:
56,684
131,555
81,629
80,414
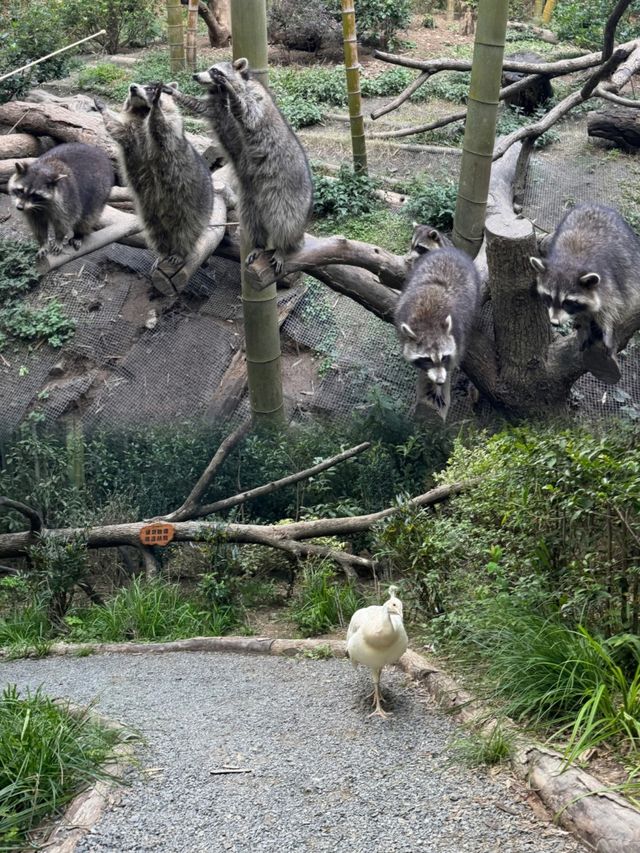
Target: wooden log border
602,819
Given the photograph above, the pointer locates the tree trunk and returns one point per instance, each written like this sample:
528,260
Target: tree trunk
618,124
547,12
352,69
480,126
260,309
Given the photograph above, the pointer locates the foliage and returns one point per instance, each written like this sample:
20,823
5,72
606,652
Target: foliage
378,21
19,320
512,118
150,610
106,79
582,22
47,755
318,653
433,202
382,227
56,567
320,85
348,194
126,21
485,749
113,82
24,629
300,113
385,84
321,603
300,26
448,85
24,38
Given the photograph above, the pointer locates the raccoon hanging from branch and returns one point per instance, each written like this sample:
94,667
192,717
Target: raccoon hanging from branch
434,318
63,191
590,274
276,192
168,178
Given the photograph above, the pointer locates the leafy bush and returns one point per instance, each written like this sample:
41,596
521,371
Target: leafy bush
448,85
348,194
300,26
382,227
485,749
56,569
513,118
25,37
47,755
126,21
433,202
318,85
582,22
321,603
378,21
17,319
106,79
300,113
387,83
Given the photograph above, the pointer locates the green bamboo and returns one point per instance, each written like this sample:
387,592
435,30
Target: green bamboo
192,32
480,126
352,68
260,307
175,35
75,451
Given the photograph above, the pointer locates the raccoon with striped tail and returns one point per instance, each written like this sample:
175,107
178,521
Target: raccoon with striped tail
434,318
276,191
64,191
169,180
590,274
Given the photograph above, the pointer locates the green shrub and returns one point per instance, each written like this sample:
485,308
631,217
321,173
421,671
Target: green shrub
126,21
321,603
348,194
512,118
105,79
300,113
25,37
300,26
378,21
448,85
582,22
319,85
433,202
47,756
56,568
19,320
386,84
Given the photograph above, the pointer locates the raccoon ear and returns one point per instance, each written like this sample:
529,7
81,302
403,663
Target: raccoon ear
57,178
590,279
415,224
448,324
21,168
174,85
433,235
242,66
408,331
537,264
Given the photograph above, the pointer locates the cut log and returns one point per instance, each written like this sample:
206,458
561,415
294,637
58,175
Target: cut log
21,145
621,125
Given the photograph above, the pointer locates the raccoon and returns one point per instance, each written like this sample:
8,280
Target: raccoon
434,318
65,189
426,239
590,274
169,179
536,93
276,192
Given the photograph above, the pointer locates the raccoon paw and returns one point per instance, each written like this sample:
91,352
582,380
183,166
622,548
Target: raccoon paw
277,262
54,247
173,261
252,256
41,253
75,243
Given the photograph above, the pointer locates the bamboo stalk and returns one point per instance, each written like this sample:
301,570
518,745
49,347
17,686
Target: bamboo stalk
260,307
547,14
480,126
192,29
352,69
174,35
49,55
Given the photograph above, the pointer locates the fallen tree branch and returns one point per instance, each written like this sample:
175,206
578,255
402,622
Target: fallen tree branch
390,269
198,511
113,535
33,516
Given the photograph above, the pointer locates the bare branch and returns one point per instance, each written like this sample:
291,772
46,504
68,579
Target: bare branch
606,95
610,27
268,488
605,69
403,96
34,517
191,505
390,268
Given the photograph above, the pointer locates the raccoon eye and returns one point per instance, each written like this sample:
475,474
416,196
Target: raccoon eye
445,359
572,306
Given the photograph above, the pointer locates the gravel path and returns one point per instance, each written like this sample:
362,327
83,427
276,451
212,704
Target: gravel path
324,777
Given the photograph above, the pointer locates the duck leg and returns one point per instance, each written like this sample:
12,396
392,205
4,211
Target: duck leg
378,712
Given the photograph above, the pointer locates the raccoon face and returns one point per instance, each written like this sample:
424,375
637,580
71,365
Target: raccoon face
565,296
223,75
425,239
139,98
432,351
34,188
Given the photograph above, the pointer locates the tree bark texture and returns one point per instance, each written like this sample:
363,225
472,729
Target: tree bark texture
618,124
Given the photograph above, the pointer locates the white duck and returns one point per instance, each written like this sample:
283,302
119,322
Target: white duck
376,637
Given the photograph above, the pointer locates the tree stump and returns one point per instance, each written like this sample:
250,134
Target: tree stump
620,125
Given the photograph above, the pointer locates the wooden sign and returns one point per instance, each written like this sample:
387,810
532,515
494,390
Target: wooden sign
157,533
